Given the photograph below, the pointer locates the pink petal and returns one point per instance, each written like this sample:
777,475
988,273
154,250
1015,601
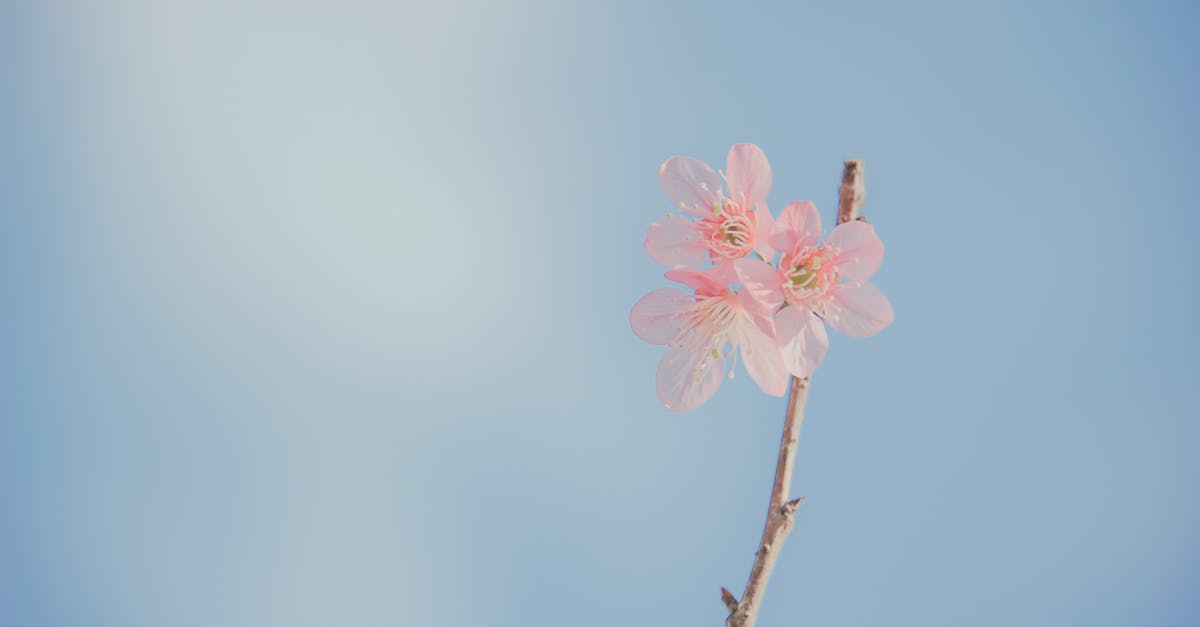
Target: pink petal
762,231
653,317
723,274
765,320
858,310
748,175
689,184
687,378
760,282
708,282
802,339
799,225
859,250
696,279
762,357
673,242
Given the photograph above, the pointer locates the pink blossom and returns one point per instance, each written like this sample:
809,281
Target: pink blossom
819,282
704,329
720,225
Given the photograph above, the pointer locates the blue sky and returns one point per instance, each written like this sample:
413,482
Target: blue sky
318,315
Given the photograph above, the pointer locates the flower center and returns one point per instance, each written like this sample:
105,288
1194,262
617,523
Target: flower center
730,231
810,275
736,231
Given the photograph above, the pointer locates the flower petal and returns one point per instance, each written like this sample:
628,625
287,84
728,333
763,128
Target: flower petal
708,282
748,175
654,318
799,225
690,184
762,232
762,357
761,282
802,339
673,242
858,310
859,250
689,377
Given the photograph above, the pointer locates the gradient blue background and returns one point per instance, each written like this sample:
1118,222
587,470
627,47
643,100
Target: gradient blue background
317,315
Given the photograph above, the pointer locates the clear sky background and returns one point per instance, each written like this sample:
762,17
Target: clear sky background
317,315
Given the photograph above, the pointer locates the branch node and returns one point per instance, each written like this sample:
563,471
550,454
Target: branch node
791,506
731,602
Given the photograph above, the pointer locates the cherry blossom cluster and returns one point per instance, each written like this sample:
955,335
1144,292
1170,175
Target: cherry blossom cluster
760,287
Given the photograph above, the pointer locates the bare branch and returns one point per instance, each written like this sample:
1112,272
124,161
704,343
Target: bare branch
781,512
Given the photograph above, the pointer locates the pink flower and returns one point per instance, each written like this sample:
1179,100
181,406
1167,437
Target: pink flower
820,282
704,329
722,226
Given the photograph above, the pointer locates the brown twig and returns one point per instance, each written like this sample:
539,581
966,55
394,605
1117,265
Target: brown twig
781,511
852,192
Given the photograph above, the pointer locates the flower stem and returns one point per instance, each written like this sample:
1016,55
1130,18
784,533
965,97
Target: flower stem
781,511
